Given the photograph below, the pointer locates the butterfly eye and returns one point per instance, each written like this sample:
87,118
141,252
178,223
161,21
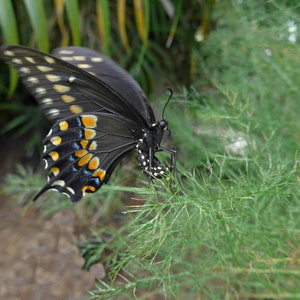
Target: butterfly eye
163,124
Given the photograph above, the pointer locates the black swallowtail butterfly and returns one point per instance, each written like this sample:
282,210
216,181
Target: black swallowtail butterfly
101,114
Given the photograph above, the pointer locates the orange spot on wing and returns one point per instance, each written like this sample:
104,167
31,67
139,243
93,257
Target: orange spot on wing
89,121
63,125
88,189
80,153
84,143
100,174
84,160
89,133
94,163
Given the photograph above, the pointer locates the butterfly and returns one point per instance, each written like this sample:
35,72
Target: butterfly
100,114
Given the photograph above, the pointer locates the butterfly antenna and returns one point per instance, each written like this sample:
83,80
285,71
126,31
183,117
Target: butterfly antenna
171,95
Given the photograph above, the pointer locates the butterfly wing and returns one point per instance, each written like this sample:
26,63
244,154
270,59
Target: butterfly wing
81,152
63,89
109,72
102,114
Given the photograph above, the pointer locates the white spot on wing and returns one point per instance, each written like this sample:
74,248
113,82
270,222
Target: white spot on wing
24,70
8,53
32,79
40,90
45,161
17,61
49,133
30,59
47,101
66,194
84,66
72,78
96,59
64,51
70,190
59,182
79,58
53,112
49,59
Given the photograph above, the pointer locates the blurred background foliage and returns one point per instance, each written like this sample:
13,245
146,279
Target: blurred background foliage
151,39
230,229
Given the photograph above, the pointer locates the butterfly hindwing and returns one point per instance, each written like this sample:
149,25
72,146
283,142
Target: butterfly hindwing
81,152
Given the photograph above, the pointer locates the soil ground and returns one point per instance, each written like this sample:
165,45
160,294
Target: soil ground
38,258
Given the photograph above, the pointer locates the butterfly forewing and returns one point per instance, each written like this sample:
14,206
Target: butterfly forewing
62,89
109,72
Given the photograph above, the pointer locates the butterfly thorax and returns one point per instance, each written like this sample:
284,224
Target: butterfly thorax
148,145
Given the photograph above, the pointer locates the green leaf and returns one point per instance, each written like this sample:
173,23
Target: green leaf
8,25
104,25
73,14
38,19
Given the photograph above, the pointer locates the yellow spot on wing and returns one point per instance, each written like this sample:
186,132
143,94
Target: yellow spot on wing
93,145
67,98
61,88
63,125
89,121
54,171
56,140
44,68
54,155
75,109
53,78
